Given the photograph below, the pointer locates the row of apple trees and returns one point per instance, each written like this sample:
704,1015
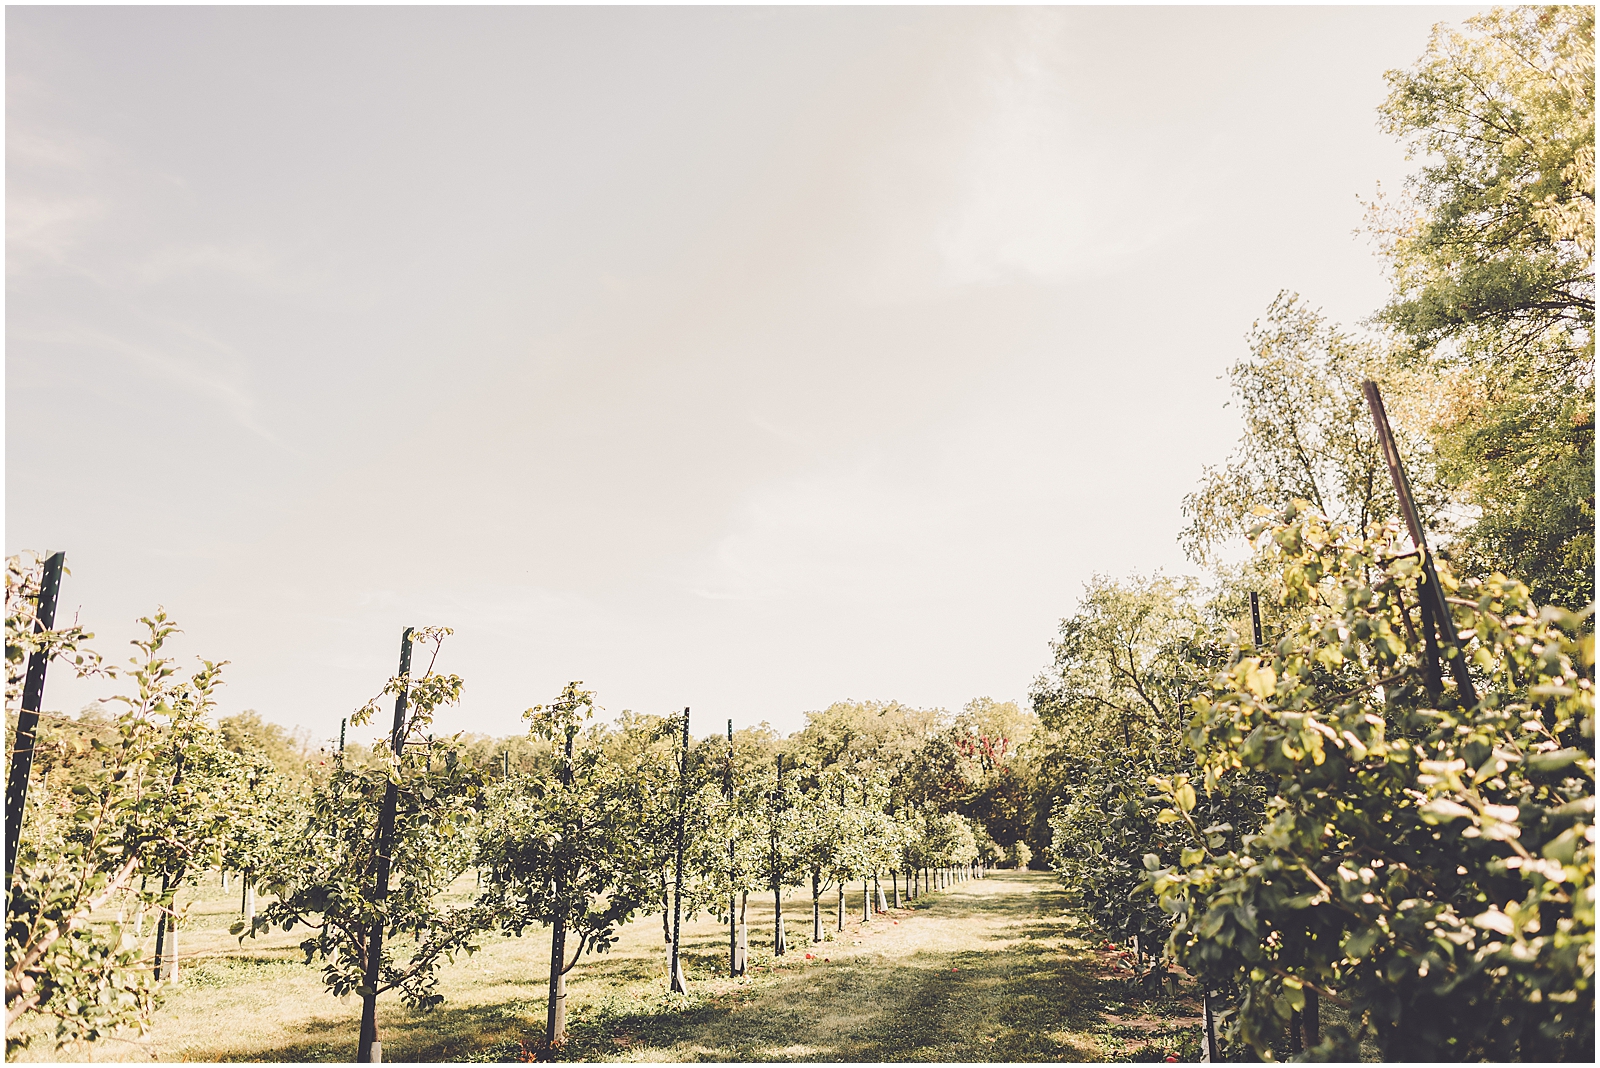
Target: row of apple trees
597,823
1349,784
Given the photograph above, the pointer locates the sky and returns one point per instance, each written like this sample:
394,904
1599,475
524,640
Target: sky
744,359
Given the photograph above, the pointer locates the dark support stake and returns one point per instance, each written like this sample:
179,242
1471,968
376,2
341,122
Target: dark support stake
28,717
778,943
678,986
370,1049
735,965
1429,591
1209,1037
1255,618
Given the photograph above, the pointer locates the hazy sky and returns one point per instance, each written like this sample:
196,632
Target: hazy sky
746,359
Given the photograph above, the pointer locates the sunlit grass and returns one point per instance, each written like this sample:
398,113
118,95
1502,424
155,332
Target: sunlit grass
989,970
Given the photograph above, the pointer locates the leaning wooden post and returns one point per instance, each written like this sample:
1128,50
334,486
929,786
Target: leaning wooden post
28,718
676,972
1429,591
370,1050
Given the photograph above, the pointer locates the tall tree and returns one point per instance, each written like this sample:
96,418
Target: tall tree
1492,253
1307,432
358,902
563,850
130,816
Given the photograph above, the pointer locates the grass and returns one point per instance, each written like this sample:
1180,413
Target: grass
997,969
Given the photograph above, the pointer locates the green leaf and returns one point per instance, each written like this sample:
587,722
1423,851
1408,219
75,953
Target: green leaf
1549,762
1360,944
1443,810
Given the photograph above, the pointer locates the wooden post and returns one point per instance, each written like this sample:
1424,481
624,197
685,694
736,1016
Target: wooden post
1208,1036
735,965
778,944
1255,619
167,928
28,718
676,972
1428,591
368,1049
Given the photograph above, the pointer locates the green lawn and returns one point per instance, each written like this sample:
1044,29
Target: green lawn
996,969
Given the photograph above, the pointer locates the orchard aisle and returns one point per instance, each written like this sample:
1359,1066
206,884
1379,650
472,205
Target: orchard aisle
992,969
989,970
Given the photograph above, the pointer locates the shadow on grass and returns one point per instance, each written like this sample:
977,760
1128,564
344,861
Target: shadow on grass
462,1033
1024,992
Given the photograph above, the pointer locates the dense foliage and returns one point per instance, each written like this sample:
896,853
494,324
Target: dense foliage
1492,254
1425,864
1317,820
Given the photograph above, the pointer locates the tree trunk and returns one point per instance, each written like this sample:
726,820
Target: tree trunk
816,907
877,890
167,930
841,905
894,877
733,941
741,952
555,1032
779,946
1311,1019
168,956
866,900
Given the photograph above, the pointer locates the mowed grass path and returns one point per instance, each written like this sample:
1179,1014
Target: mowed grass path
994,969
